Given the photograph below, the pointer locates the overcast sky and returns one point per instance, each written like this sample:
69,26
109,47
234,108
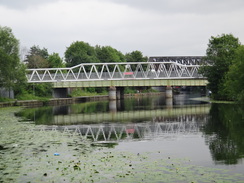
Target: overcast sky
155,27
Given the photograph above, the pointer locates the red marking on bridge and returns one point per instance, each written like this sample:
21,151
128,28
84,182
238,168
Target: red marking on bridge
128,73
130,130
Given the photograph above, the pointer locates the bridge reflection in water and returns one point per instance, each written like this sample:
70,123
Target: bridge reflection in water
162,124
113,115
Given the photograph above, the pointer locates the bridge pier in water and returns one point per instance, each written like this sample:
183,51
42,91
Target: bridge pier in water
112,93
169,92
115,93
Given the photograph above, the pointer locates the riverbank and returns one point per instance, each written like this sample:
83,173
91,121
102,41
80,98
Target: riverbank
65,101
207,99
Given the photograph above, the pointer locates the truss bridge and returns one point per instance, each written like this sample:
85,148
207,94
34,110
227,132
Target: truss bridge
153,73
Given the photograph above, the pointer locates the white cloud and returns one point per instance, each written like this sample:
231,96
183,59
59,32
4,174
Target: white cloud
159,27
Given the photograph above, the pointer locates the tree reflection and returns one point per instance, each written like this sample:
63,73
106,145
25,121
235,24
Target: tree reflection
224,133
41,116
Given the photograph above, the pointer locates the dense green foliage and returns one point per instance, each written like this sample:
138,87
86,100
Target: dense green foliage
40,58
55,61
220,53
107,54
135,56
80,52
88,92
12,71
37,58
234,85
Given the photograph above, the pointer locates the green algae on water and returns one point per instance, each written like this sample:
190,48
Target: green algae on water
27,154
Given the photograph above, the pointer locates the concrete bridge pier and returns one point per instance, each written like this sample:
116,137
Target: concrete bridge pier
113,106
112,93
169,103
116,93
169,92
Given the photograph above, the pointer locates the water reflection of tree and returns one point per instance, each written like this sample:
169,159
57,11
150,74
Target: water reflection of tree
224,133
45,115
41,116
89,107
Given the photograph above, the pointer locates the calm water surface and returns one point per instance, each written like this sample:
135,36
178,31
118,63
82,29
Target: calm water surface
210,135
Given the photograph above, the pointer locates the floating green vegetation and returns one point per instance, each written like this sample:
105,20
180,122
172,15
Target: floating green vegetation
30,154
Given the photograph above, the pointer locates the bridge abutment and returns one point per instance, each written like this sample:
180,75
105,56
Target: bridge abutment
61,92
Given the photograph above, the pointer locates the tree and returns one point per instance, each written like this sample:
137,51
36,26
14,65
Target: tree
135,56
55,61
37,58
107,54
36,50
12,71
220,53
234,84
80,52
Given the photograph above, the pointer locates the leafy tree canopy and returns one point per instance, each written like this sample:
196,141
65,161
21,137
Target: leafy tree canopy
220,52
135,56
8,43
234,85
80,52
55,61
12,71
37,58
107,54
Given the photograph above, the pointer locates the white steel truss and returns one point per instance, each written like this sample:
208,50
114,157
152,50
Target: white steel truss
125,132
114,71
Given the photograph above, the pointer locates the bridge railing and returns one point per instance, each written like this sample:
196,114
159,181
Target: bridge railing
115,71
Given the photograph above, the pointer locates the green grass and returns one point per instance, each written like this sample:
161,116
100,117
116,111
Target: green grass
28,96
222,102
79,93
2,99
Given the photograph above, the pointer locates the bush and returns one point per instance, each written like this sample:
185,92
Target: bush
87,92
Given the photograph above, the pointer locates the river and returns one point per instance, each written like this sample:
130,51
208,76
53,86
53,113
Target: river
183,138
